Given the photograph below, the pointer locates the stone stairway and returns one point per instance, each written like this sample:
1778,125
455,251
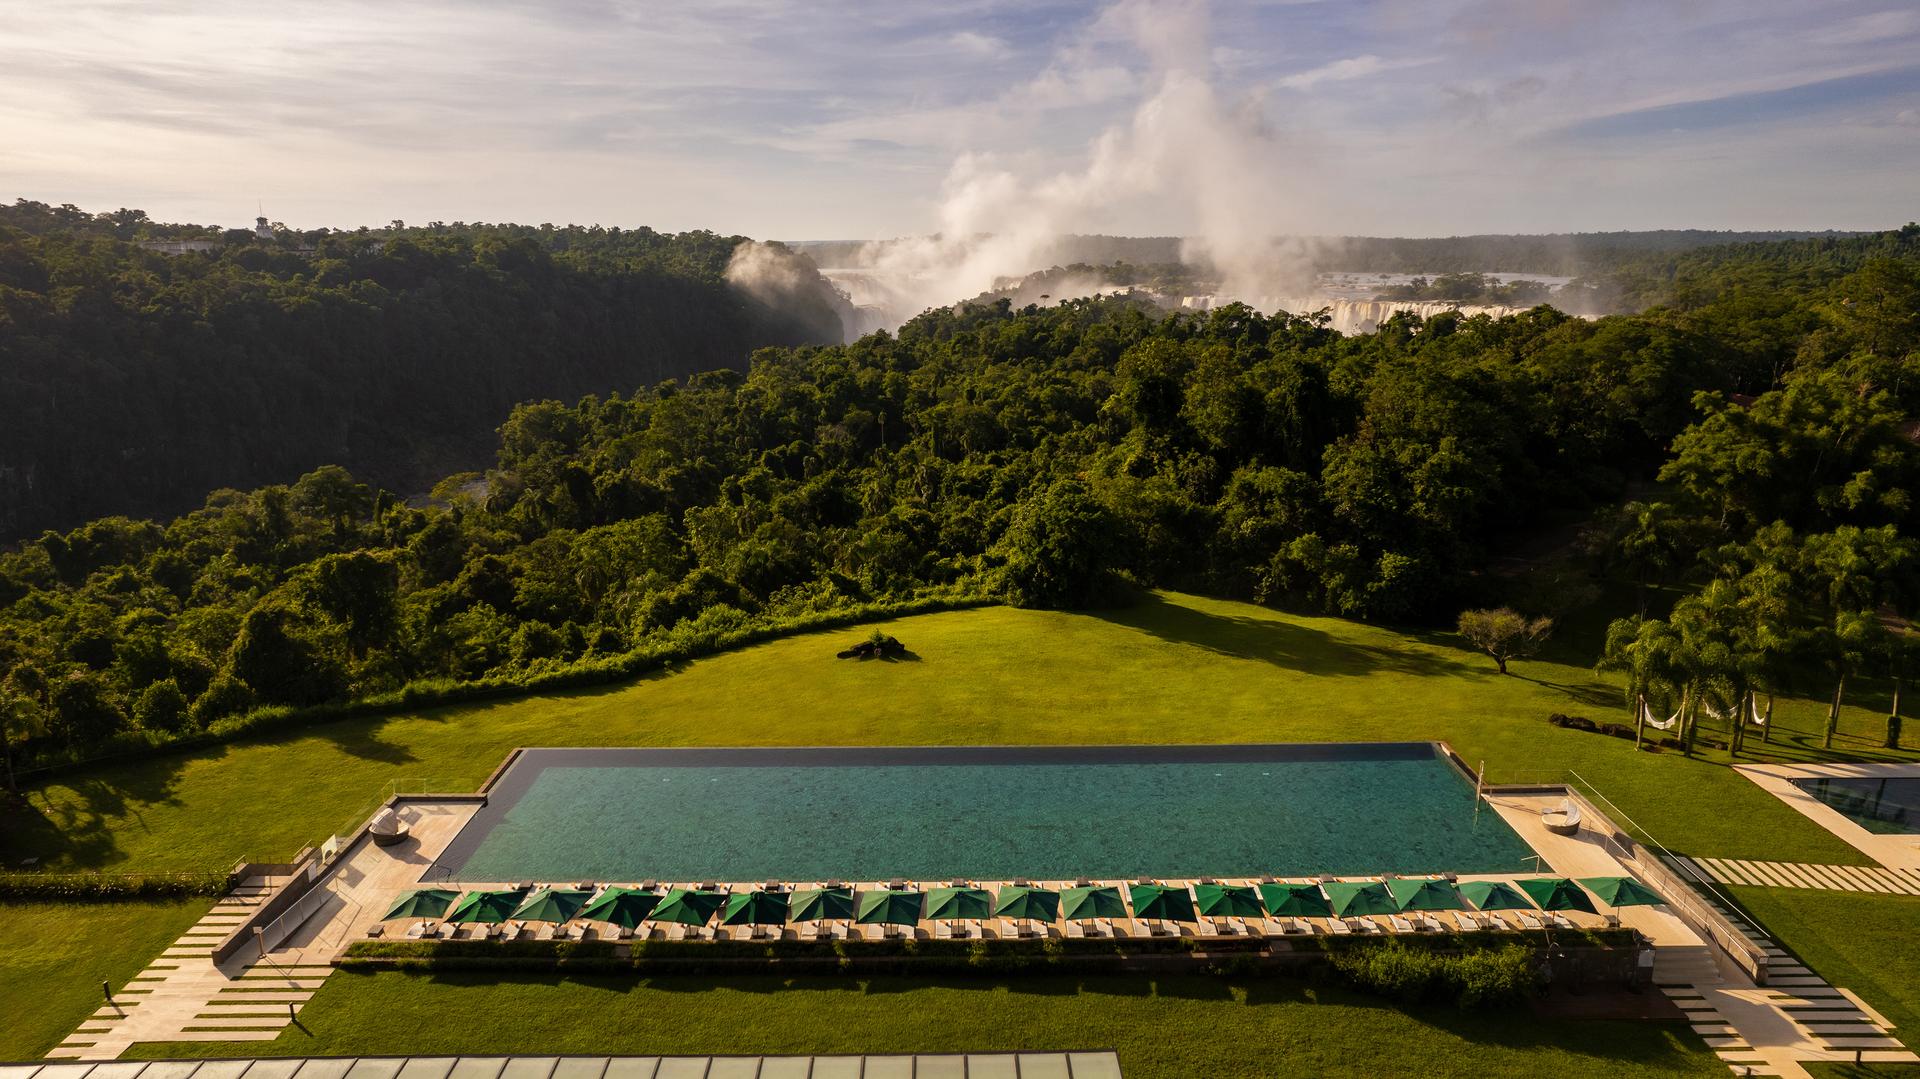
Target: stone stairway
183,996
1821,1021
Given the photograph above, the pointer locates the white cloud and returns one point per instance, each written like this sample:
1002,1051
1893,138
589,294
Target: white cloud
1864,29
980,46
1356,67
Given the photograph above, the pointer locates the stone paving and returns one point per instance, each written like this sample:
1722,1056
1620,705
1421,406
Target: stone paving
183,996
1795,1017
1843,878
1078,1065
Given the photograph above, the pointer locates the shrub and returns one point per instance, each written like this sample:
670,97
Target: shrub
225,696
1474,978
161,707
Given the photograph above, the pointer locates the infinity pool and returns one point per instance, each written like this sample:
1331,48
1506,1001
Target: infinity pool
985,813
1888,806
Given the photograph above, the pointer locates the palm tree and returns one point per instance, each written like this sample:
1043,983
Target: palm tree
1650,653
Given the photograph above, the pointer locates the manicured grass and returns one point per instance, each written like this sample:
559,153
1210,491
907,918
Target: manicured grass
1173,668
53,957
1177,1027
1866,942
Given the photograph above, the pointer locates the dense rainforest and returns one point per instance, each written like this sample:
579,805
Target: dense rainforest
1755,441
133,381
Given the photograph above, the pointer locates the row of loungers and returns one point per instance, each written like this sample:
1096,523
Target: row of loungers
999,928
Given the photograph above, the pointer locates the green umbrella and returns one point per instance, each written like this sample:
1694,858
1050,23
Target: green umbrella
1556,893
957,903
688,907
1619,891
1028,903
1424,895
1092,901
1494,895
422,903
552,905
755,908
624,907
1229,901
1162,901
1296,900
888,907
491,907
820,904
1353,898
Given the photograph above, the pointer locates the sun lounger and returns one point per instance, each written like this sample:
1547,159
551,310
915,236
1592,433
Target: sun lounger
1076,931
547,931
1339,927
1399,924
1559,920
1529,920
840,931
416,930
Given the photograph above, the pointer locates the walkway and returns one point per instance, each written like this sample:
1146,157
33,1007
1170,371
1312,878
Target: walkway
1844,878
184,997
1770,1029
1100,1065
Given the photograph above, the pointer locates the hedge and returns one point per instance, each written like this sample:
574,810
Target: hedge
1469,971
102,887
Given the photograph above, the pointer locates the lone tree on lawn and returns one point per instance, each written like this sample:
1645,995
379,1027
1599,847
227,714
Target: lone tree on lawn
1505,633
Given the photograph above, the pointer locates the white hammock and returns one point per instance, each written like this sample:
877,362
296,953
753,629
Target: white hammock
1759,717
1715,712
1646,716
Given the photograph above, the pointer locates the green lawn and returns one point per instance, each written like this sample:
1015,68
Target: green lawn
1170,669
53,957
1173,668
1175,1027
1866,942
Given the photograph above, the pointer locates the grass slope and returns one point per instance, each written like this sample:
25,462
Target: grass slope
1173,668
55,955
1172,1027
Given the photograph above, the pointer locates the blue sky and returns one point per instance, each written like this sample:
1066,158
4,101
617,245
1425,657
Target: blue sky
777,118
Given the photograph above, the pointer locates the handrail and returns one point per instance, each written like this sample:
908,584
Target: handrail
1667,855
1679,895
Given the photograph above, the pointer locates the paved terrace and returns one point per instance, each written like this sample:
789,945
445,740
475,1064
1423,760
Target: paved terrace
185,996
1757,1030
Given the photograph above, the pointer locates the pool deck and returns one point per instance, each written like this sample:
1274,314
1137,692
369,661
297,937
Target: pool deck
1891,851
1581,855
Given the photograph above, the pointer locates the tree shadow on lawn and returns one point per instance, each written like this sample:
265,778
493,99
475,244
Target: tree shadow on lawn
1591,694
75,824
1279,642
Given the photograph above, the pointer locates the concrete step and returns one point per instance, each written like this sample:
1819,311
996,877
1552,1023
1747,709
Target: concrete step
1685,966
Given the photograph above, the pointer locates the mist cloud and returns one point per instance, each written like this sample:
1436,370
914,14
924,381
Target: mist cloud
1223,166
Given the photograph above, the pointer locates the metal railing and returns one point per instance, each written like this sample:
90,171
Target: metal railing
1663,870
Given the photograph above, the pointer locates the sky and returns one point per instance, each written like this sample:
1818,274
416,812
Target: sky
793,120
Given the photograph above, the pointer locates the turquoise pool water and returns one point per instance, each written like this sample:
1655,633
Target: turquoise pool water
1889,806
983,813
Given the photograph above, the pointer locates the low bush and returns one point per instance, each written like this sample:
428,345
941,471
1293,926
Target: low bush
1474,978
480,949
